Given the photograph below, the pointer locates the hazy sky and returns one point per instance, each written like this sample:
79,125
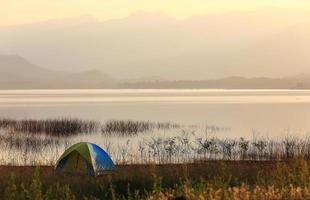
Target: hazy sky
28,11
251,38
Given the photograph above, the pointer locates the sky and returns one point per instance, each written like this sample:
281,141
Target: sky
30,11
170,39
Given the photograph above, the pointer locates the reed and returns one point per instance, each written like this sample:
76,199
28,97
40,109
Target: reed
130,127
54,127
132,142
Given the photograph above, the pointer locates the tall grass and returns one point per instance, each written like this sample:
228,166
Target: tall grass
130,127
23,149
68,126
131,142
230,180
54,127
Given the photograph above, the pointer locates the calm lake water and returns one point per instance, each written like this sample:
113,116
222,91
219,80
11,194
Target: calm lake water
272,113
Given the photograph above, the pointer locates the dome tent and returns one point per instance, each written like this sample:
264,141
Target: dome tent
85,158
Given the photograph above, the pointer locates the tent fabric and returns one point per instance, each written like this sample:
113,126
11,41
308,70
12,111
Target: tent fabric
85,158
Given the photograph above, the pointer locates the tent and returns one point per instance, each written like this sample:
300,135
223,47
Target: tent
85,158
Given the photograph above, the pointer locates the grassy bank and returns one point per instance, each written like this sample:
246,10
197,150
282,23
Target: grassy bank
209,180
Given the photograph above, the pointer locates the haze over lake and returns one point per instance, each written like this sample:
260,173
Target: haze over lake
272,113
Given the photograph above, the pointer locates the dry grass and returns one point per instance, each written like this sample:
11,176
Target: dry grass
129,127
232,180
53,127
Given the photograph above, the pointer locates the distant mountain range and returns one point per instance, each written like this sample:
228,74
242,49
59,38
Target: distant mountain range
18,73
226,83
266,43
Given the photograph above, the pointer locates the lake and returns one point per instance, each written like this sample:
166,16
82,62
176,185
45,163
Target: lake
271,113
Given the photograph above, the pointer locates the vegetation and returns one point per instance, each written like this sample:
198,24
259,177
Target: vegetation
53,127
187,163
130,127
214,180
69,127
133,142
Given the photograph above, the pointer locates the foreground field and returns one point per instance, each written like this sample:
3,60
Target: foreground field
149,157
210,180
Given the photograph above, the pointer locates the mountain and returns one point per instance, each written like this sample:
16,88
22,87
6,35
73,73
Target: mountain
295,82
15,68
18,73
263,43
93,79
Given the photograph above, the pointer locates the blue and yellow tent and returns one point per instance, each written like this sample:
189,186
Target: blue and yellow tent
85,158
